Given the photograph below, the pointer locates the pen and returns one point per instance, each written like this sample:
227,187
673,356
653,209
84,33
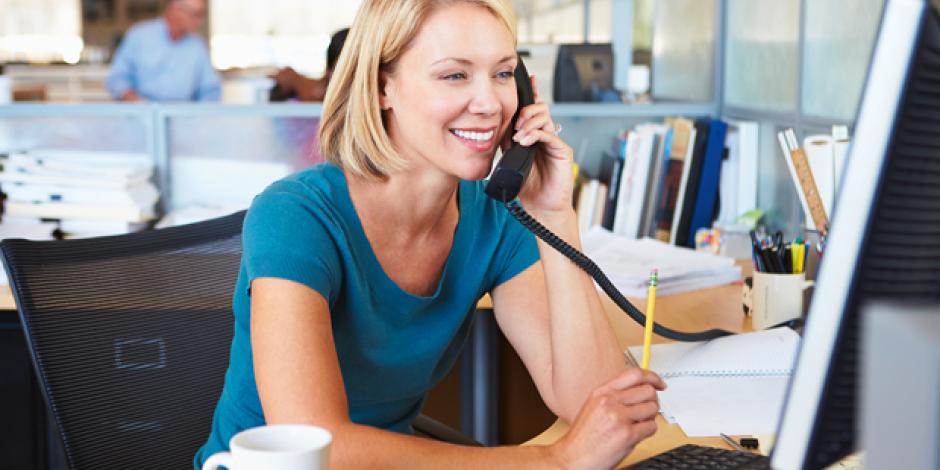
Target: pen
755,250
794,258
650,306
777,256
806,248
802,260
732,442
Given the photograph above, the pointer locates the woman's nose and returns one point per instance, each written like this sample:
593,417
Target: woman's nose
485,99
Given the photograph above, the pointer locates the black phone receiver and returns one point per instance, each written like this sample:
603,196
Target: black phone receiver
513,168
506,182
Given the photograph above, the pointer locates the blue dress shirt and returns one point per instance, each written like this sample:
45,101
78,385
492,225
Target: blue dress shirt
158,68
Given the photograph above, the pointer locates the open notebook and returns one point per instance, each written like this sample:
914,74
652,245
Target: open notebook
733,385
768,352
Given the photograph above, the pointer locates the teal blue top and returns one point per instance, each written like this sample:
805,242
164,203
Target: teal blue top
392,346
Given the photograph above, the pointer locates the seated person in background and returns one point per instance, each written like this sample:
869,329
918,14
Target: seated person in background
360,276
163,59
290,84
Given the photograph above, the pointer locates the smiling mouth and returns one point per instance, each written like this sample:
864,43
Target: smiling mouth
472,136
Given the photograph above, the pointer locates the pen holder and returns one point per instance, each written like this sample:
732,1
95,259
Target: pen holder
770,299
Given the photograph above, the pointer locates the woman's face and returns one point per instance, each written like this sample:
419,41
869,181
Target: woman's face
452,93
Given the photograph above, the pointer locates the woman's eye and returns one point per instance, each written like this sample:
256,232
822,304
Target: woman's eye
506,74
455,76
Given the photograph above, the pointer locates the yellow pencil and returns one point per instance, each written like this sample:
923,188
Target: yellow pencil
650,306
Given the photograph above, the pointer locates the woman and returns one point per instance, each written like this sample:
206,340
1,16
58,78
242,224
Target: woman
359,276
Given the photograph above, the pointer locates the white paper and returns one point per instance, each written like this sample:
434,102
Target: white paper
785,148
707,406
208,181
627,263
840,151
732,385
819,154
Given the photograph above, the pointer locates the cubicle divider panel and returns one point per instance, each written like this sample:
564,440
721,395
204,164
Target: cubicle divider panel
206,148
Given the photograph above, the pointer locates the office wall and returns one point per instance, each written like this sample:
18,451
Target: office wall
838,39
251,33
762,46
797,64
683,46
40,30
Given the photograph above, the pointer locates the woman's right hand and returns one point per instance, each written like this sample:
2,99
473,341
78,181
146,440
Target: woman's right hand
613,420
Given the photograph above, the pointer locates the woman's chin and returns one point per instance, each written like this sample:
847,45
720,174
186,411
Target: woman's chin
477,172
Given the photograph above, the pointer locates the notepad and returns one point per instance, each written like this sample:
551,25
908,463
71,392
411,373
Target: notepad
767,352
733,385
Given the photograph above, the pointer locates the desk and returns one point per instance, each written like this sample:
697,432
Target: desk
718,307
6,298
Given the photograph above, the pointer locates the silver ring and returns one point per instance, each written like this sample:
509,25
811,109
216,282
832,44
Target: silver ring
557,129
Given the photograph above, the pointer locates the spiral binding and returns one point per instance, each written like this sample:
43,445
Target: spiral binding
727,373
608,287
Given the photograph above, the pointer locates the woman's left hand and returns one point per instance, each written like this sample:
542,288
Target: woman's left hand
550,184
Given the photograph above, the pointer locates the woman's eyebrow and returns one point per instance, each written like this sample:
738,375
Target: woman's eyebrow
464,61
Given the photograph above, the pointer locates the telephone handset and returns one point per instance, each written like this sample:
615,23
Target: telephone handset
504,185
510,173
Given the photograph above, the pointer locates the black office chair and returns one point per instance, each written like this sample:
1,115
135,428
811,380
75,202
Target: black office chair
130,337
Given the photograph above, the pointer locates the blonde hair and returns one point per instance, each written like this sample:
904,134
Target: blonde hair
352,133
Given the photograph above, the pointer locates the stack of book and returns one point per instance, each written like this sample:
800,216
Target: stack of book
668,180
86,193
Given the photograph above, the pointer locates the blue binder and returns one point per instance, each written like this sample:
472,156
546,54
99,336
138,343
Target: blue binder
704,213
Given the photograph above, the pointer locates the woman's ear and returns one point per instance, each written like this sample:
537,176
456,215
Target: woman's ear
386,90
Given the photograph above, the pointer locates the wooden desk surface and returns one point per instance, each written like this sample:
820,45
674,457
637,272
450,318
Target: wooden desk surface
6,298
694,311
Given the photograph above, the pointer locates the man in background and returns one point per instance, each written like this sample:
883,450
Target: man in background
163,59
290,84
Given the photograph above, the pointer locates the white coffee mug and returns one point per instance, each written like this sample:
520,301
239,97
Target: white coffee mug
775,298
278,446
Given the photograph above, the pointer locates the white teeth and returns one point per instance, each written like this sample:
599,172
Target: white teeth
477,136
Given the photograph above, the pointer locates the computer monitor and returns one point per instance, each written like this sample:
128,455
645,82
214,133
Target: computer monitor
584,72
885,237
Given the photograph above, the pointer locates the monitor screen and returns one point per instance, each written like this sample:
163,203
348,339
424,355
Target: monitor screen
884,241
584,72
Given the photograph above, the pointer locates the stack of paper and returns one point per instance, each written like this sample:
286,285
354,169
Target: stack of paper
733,385
627,263
88,193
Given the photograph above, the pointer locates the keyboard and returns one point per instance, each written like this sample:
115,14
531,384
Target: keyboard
691,456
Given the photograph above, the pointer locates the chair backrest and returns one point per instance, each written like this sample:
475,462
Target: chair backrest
130,337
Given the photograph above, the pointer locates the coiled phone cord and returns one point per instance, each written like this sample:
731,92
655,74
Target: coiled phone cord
589,267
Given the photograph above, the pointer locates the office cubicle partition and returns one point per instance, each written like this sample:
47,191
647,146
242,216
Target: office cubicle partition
199,149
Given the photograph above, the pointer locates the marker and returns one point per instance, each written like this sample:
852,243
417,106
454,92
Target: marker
650,306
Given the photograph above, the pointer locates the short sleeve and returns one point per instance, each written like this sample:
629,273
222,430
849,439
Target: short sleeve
283,238
517,251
